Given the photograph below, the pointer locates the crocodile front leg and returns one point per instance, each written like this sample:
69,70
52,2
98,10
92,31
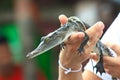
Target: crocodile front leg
62,45
84,42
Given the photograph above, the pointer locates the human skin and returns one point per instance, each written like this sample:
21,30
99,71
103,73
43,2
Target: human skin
6,61
71,58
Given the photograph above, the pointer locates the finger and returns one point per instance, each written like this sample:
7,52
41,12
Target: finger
107,59
63,19
107,70
94,56
95,30
94,34
75,38
114,47
111,61
107,66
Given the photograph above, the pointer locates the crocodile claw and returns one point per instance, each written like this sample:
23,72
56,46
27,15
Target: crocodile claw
84,42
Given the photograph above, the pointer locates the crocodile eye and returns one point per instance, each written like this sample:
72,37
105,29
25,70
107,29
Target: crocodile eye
42,38
47,39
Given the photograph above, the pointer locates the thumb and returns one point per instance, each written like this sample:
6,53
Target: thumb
63,19
114,47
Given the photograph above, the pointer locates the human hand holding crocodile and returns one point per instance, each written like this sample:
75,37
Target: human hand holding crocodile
70,57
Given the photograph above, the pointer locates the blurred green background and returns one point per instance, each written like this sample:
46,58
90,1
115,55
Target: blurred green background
24,22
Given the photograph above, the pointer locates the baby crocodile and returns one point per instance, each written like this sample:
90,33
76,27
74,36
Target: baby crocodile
58,36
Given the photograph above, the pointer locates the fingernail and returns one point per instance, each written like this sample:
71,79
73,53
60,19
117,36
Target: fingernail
63,19
100,24
61,16
81,34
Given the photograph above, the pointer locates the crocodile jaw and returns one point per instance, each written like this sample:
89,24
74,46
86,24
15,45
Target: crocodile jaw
43,47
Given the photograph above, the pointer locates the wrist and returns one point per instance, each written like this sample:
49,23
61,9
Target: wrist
70,69
70,64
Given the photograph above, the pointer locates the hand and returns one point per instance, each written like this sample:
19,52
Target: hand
112,64
69,56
